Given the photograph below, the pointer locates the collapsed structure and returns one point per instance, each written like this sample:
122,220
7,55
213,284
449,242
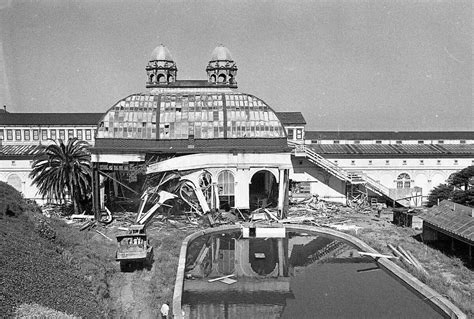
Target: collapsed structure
214,147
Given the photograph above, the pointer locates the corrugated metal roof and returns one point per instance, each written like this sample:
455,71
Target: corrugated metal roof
384,135
50,118
452,218
288,118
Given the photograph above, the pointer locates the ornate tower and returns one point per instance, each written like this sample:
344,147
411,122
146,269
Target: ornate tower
161,70
222,70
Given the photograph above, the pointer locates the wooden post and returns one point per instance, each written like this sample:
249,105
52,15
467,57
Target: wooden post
281,258
95,191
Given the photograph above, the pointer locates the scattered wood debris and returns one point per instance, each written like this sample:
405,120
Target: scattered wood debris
376,255
222,278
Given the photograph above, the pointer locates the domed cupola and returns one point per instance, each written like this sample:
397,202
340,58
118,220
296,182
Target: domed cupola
222,70
161,70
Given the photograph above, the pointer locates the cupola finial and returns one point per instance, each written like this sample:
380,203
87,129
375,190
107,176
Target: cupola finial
161,69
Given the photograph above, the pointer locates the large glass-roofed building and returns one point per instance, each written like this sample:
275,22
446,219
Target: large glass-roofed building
205,129
190,109
182,114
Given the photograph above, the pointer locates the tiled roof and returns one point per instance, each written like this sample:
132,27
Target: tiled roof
288,118
395,150
453,219
457,148
18,150
417,149
248,145
374,149
384,135
332,149
50,118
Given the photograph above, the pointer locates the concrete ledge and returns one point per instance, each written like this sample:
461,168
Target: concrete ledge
443,304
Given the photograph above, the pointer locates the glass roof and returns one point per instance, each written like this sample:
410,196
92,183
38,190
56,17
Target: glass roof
188,115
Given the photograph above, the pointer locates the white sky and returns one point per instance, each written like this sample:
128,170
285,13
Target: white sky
347,65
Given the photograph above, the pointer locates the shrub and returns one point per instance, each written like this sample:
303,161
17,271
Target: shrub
10,200
439,193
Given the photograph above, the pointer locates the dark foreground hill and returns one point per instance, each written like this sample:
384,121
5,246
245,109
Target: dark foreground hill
47,263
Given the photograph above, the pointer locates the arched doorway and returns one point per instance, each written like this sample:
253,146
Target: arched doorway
263,190
263,255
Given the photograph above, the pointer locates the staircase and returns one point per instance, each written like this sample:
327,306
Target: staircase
301,150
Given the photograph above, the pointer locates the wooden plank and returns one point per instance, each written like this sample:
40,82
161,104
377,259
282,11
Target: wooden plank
376,255
100,233
417,264
228,281
404,253
220,278
399,254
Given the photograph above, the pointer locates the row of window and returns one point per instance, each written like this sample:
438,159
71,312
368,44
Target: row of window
404,162
397,142
404,181
37,134
294,134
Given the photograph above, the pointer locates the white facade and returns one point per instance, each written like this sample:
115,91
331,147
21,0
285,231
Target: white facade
425,173
15,168
15,173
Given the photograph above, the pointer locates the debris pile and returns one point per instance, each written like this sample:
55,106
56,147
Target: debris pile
317,212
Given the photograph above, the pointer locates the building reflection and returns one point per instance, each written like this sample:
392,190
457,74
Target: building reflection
262,268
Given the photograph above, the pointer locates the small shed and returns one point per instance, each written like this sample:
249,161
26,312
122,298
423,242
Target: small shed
450,226
407,218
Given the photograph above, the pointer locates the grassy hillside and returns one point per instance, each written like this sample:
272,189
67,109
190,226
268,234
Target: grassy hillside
48,265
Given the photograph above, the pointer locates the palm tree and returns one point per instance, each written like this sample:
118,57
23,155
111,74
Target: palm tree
59,170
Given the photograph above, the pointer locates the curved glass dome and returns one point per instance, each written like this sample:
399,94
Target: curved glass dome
188,115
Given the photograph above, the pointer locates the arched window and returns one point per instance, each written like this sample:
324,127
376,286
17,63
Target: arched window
152,77
226,186
221,78
403,180
161,78
213,78
170,78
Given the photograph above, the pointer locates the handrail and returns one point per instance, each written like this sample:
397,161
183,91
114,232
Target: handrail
336,170
377,184
318,159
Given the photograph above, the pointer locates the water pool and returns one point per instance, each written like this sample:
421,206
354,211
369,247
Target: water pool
303,274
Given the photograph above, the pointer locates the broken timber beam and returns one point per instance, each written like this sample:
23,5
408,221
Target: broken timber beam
399,254
376,255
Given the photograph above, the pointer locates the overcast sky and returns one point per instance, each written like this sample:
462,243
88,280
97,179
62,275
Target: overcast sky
346,65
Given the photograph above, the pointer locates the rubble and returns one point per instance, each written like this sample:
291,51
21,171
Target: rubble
190,204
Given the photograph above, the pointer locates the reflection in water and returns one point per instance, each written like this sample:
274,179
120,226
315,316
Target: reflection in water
299,276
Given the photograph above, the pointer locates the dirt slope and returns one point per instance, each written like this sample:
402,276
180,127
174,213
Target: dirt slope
140,293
